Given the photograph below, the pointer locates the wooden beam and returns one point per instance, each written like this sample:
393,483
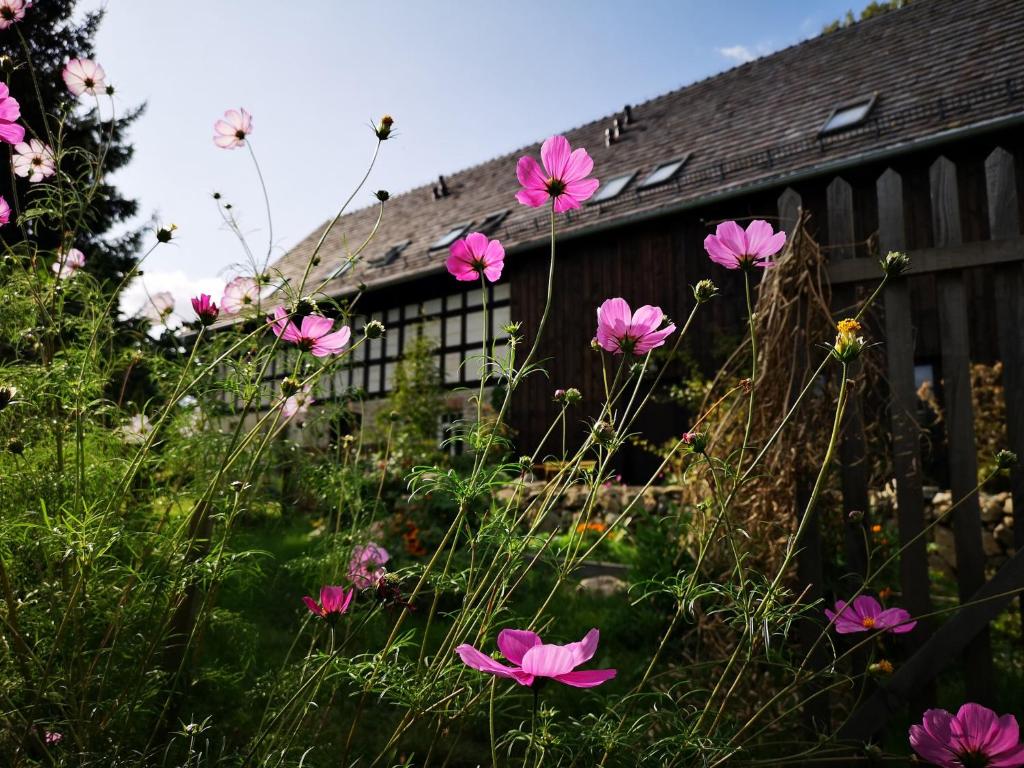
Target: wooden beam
983,253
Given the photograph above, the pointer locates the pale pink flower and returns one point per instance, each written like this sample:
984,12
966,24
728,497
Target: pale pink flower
137,429
84,76
865,614
5,211
205,309
366,566
12,11
475,254
736,248
563,178
53,737
974,736
240,294
68,264
230,132
33,159
297,404
161,305
533,659
312,334
620,330
334,601
10,111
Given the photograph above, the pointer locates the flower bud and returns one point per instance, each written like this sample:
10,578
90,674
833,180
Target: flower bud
704,290
15,446
848,344
559,396
604,432
1006,459
595,344
383,195
304,307
855,515
374,329
571,396
290,385
164,234
383,129
895,263
696,442
512,328
881,667
7,395
110,90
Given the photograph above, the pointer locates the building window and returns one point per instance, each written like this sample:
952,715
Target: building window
492,222
612,188
848,115
662,173
390,256
450,236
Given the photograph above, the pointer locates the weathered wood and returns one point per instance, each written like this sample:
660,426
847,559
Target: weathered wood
789,210
983,253
956,397
1004,224
852,453
906,434
941,650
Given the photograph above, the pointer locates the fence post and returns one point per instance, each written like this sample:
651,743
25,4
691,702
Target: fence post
1004,223
852,454
959,413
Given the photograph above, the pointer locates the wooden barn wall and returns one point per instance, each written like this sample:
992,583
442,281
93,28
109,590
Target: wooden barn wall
656,262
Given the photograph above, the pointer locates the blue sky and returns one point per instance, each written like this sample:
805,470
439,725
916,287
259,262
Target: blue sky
464,80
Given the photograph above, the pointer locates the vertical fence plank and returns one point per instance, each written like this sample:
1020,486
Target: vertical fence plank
809,560
906,435
852,454
1004,223
956,384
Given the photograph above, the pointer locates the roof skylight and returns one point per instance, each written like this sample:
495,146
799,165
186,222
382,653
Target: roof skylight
390,256
492,222
664,172
848,115
612,188
450,236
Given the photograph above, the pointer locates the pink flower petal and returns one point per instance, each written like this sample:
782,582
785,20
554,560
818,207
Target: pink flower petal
581,190
732,237
533,198
548,660
586,678
554,153
583,651
530,175
311,604
481,662
513,643
580,165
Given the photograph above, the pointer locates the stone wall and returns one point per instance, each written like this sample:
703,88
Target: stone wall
996,530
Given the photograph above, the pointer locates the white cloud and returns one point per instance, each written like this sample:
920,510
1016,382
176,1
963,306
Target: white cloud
738,53
137,298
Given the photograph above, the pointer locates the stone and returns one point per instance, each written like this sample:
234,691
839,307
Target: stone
603,585
1004,536
991,508
990,545
945,545
1008,505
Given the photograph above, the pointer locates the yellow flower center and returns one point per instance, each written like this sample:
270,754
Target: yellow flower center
868,622
848,326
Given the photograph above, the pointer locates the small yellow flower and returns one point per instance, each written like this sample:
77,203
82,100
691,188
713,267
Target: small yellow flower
881,667
848,344
849,325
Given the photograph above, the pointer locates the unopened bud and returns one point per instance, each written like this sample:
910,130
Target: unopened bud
15,446
895,263
383,129
164,234
855,515
848,344
383,195
290,385
7,395
704,290
604,432
374,329
1006,459
695,442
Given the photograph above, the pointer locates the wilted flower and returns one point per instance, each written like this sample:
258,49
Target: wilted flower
704,290
848,344
895,263
474,255
84,76
68,264
383,129
563,178
240,294
735,248
533,659
10,110
374,329
5,211
865,614
619,330
297,403
334,601
974,736
33,159
12,11
230,132
313,334
205,309
366,566
1006,459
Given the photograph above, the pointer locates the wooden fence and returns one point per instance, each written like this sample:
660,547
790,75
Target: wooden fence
964,637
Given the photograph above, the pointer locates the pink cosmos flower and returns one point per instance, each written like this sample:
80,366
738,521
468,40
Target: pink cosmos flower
230,132
562,180
975,736
241,293
334,601
53,737
297,404
366,566
5,211
10,111
865,614
12,11
204,308
474,254
84,76
534,659
68,264
736,248
34,160
620,330
313,334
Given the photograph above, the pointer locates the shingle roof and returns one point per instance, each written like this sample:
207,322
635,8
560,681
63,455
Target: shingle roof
934,65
